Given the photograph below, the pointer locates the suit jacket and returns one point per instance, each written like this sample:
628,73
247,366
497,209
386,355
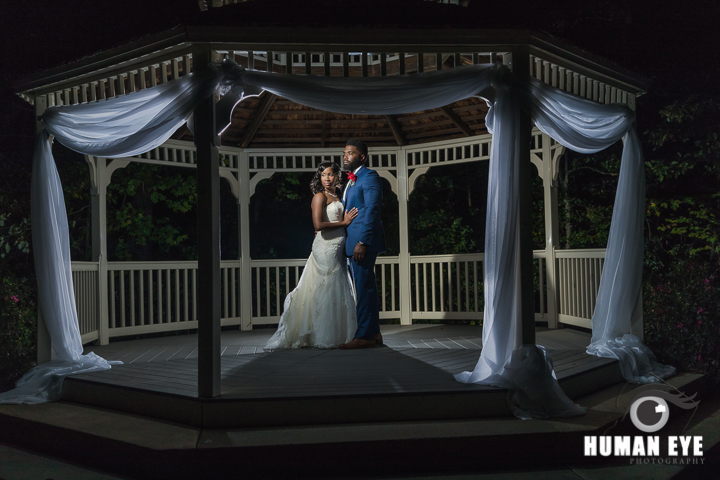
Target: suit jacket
366,195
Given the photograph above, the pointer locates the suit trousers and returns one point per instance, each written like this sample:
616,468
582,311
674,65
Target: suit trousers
368,309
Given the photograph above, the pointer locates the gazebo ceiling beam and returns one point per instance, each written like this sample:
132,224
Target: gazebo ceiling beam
420,126
263,108
458,121
419,116
328,131
434,133
379,122
396,130
316,139
323,130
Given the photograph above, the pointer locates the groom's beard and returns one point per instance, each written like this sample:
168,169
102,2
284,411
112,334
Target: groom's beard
350,167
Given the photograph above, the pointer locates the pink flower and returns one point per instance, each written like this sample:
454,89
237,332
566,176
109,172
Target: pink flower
15,298
680,325
700,310
699,358
706,281
699,322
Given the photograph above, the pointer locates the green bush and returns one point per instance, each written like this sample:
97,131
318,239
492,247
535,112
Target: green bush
681,312
18,327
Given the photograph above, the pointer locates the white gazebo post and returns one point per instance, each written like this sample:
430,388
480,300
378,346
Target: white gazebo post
208,226
403,194
637,326
98,205
243,200
521,67
548,173
44,344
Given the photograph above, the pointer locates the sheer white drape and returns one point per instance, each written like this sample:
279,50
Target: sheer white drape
142,121
375,95
525,370
589,127
586,127
51,247
119,127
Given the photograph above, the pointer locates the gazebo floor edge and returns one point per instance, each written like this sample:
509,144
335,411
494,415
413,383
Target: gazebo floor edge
409,379
229,411
144,447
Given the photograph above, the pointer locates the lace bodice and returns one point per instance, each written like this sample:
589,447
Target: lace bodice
333,213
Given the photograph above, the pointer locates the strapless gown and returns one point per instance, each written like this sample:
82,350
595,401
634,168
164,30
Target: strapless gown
320,312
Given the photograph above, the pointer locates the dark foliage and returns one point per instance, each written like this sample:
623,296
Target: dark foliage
18,326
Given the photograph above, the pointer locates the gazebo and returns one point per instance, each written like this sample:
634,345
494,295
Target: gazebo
261,136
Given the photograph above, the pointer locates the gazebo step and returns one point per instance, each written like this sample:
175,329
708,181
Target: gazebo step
143,447
284,411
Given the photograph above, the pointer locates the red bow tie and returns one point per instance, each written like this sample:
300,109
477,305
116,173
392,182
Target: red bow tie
352,177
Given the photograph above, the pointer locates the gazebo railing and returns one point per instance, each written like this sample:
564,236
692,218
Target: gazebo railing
579,281
447,287
149,297
85,286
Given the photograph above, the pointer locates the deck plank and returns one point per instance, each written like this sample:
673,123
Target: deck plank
413,360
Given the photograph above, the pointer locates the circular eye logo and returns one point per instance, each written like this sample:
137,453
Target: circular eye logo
649,414
649,410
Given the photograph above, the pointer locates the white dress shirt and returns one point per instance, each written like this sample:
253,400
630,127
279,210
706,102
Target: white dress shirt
348,186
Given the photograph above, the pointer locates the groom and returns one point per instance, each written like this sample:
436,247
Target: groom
365,239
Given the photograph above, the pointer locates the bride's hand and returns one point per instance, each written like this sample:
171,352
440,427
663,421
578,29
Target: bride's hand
350,216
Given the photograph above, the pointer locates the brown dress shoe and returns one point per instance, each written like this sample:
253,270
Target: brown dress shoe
378,339
358,343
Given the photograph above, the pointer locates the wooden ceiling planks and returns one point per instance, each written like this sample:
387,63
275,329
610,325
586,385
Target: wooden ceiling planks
290,124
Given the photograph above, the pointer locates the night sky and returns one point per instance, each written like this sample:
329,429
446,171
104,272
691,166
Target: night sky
646,36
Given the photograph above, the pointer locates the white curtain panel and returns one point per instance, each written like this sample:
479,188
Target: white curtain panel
51,248
589,127
524,370
141,121
120,127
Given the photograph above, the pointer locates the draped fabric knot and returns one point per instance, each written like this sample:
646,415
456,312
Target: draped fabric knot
501,76
230,75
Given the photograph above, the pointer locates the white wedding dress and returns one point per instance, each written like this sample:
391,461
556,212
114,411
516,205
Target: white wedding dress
320,312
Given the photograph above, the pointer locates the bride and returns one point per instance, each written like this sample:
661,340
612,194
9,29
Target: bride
320,312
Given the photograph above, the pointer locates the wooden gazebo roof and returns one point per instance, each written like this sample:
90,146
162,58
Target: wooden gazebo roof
269,120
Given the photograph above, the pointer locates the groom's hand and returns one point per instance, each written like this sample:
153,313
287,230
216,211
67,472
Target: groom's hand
359,253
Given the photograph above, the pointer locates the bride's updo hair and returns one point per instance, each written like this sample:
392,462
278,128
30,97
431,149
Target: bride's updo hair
316,184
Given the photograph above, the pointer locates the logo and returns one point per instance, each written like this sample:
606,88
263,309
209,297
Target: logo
649,410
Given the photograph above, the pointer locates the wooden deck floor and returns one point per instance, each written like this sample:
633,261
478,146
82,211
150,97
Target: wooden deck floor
410,378
414,359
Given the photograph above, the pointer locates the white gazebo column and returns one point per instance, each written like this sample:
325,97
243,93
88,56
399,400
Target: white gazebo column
98,205
208,227
403,195
637,326
44,344
549,172
521,67
244,242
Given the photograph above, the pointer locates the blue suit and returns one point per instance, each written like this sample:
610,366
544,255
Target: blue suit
366,195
